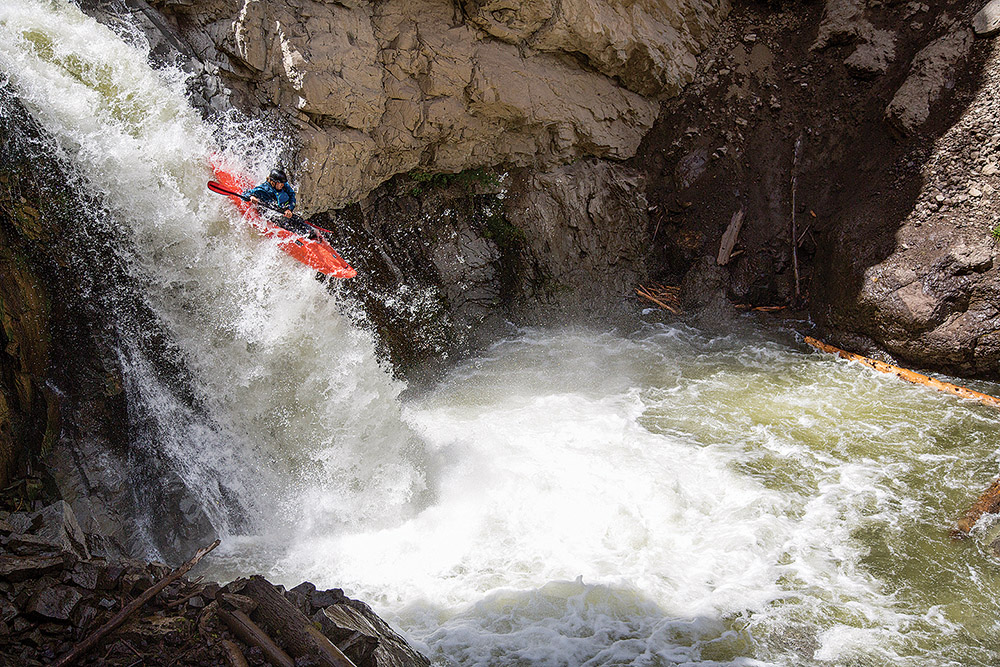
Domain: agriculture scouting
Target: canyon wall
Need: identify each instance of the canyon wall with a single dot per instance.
(697, 105)
(375, 89)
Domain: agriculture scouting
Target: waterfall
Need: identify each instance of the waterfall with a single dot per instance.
(287, 393)
(657, 497)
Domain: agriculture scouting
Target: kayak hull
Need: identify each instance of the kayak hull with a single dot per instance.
(315, 253)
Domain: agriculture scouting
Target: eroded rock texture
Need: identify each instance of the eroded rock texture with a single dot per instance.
(377, 89)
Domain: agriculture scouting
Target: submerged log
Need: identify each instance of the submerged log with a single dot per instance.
(298, 634)
(988, 503)
(908, 375)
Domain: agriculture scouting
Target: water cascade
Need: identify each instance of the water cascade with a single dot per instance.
(569, 497)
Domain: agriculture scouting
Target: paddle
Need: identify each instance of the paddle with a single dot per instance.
(220, 189)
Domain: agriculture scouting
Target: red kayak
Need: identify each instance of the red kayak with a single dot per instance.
(315, 253)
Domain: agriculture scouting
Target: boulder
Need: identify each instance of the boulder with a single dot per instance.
(843, 22)
(55, 603)
(57, 523)
(987, 22)
(873, 57)
(932, 72)
(19, 568)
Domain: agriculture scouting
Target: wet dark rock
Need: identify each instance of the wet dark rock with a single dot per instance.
(349, 630)
(19, 568)
(85, 574)
(321, 599)
(704, 291)
(299, 599)
(84, 615)
(7, 610)
(56, 602)
(134, 582)
(58, 523)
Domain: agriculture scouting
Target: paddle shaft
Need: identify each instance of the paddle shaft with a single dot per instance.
(216, 187)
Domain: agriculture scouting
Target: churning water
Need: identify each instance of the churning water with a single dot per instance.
(657, 497)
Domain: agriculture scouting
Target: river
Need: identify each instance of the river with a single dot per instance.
(656, 495)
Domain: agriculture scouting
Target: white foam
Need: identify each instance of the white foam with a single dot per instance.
(569, 497)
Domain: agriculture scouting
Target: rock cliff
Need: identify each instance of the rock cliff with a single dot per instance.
(378, 89)
(879, 122)
(695, 106)
(66, 304)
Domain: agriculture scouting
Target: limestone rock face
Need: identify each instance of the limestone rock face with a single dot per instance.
(377, 89)
(649, 46)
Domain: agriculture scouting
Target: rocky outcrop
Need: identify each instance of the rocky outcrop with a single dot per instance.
(931, 297)
(451, 261)
(54, 594)
(933, 72)
(586, 240)
(63, 392)
(378, 89)
(29, 211)
(987, 22)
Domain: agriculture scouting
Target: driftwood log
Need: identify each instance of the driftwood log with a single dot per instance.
(908, 375)
(234, 656)
(729, 238)
(298, 635)
(988, 503)
(93, 640)
(250, 633)
(666, 297)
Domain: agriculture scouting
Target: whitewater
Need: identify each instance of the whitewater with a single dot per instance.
(659, 495)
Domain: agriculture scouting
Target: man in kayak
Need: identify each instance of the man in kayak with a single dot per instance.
(276, 192)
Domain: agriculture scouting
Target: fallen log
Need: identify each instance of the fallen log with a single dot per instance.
(988, 503)
(250, 633)
(908, 375)
(94, 639)
(234, 656)
(298, 634)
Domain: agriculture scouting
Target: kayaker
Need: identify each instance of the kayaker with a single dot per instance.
(276, 191)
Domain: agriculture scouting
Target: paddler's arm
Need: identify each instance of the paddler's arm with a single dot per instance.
(254, 194)
(291, 200)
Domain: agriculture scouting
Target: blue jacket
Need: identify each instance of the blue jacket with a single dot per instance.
(267, 193)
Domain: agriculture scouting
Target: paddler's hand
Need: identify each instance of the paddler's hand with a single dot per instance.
(254, 200)
(288, 212)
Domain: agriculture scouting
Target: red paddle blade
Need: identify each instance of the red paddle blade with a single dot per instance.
(217, 188)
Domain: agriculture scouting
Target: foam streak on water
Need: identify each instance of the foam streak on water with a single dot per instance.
(568, 498)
